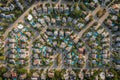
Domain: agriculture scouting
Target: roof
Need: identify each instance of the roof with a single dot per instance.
(23, 76)
(36, 75)
(81, 50)
(102, 75)
(51, 75)
(7, 74)
(14, 74)
(30, 17)
(20, 26)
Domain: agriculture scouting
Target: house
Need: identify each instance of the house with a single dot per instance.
(36, 62)
(66, 76)
(109, 74)
(105, 39)
(68, 32)
(66, 10)
(47, 19)
(34, 13)
(12, 56)
(68, 48)
(96, 1)
(36, 56)
(105, 61)
(56, 33)
(118, 44)
(117, 67)
(105, 55)
(114, 17)
(63, 45)
(7, 74)
(6, 16)
(1, 27)
(55, 8)
(93, 55)
(30, 17)
(23, 76)
(54, 43)
(50, 73)
(21, 62)
(105, 34)
(42, 21)
(10, 8)
(81, 76)
(53, 21)
(49, 49)
(80, 25)
(69, 19)
(94, 61)
(16, 30)
(74, 21)
(50, 9)
(109, 22)
(43, 76)
(39, 10)
(22, 53)
(116, 6)
(100, 30)
(12, 45)
(49, 33)
(69, 56)
(61, 9)
(11, 40)
(72, 8)
(20, 26)
(28, 34)
(23, 38)
(44, 9)
(61, 33)
(58, 19)
(12, 61)
(14, 75)
(81, 50)
(35, 76)
(19, 4)
(64, 20)
(118, 39)
(102, 75)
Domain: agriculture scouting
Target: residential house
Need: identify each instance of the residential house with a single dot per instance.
(23, 76)
(1, 27)
(36, 56)
(19, 4)
(10, 8)
(102, 75)
(35, 76)
(14, 75)
(7, 74)
(69, 19)
(44, 9)
(36, 62)
(6, 16)
(64, 20)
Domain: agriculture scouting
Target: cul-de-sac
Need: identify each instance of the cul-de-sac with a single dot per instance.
(59, 39)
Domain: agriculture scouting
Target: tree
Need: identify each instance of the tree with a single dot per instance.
(47, 5)
(2, 70)
(0, 78)
(76, 13)
(22, 71)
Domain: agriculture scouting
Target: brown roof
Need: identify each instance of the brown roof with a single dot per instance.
(7, 74)
(14, 74)
(23, 76)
